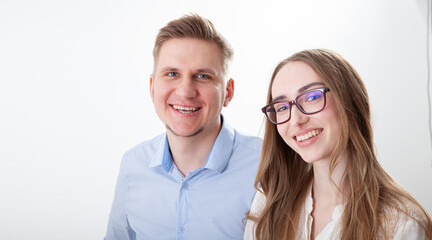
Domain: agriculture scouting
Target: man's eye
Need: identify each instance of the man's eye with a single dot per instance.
(203, 76)
(172, 74)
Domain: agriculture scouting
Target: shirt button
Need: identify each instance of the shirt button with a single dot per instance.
(181, 229)
(186, 186)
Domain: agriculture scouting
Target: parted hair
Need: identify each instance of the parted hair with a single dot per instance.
(284, 177)
(193, 26)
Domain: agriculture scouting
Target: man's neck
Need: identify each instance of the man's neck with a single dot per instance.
(190, 153)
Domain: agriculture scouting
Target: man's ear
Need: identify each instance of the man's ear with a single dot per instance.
(151, 86)
(229, 92)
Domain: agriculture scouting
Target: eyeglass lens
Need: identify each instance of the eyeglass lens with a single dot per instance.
(308, 103)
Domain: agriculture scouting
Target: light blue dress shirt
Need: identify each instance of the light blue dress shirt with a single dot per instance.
(153, 200)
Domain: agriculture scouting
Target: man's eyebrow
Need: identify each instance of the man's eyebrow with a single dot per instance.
(302, 89)
(168, 69)
(201, 70)
(205, 70)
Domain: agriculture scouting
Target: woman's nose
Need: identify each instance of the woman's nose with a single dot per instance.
(297, 117)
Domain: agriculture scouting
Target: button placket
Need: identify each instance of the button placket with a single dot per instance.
(183, 208)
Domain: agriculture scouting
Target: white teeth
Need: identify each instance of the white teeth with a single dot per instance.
(185, 109)
(307, 135)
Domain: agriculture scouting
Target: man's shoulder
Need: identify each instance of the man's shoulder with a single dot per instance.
(248, 141)
(147, 147)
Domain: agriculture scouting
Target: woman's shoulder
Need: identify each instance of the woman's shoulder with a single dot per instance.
(407, 220)
(257, 206)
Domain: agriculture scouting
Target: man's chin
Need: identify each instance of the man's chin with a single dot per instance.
(186, 134)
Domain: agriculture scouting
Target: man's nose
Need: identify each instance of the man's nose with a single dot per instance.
(186, 87)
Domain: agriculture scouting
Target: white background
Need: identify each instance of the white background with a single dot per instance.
(74, 92)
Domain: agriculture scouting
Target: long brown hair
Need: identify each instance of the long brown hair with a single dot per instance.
(285, 178)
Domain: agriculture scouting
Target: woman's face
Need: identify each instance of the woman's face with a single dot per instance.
(313, 137)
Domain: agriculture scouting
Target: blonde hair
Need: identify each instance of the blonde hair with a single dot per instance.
(193, 26)
(284, 177)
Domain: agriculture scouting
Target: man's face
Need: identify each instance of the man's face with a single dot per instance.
(187, 87)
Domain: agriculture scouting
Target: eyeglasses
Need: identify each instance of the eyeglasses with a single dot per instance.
(308, 102)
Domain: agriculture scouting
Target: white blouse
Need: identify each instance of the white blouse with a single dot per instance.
(404, 227)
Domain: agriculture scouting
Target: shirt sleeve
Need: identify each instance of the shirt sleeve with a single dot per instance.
(249, 230)
(411, 230)
(255, 210)
(118, 225)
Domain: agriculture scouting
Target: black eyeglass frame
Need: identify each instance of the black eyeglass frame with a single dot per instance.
(294, 102)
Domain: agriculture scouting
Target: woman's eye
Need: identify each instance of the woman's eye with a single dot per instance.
(281, 109)
(313, 97)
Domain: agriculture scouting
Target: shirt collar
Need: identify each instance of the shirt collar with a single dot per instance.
(309, 202)
(217, 159)
(167, 161)
(162, 153)
(221, 151)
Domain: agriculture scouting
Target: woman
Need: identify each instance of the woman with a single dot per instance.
(319, 177)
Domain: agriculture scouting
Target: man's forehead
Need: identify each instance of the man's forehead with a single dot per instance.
(191, 46)
(188, 53)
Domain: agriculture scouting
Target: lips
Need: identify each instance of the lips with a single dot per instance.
(184, 109)
(307, 135)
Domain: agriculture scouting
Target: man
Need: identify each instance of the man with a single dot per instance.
(196, 180)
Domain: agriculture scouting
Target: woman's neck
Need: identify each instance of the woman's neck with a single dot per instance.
(327, 193)
(326, 187)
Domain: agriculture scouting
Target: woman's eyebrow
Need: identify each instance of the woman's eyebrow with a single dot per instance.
(307, 86)
(302, 89)
(278, 98)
